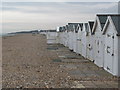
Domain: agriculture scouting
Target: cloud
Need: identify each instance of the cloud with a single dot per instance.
(53, 7)
(48, 15)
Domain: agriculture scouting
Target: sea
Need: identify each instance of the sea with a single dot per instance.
(6, 34)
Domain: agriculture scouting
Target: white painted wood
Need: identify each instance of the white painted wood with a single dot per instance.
(98, 44)
(112, 45)
(71, 40)
(90, 44)
(79, 41)
(74, 41)
(118, 58)
(66, 38)
(83, 39)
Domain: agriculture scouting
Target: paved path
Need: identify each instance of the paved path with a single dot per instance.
(82, 72)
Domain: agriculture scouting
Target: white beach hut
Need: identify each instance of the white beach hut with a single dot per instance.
(90, 41)
(66, 36)
(99, 39)
(75, 34)
(63, 35)
(79, 38)
(83, 39)
(111, 31)
(60, 35)
(70, 36)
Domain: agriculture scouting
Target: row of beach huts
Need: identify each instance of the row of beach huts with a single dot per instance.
(98, 41)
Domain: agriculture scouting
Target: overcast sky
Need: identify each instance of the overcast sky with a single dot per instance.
(17, 16)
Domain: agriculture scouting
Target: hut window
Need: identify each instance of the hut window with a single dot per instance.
(89, 44)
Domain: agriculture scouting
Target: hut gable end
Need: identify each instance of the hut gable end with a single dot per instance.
(115, 20)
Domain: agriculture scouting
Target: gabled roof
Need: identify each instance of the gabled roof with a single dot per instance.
(76, 27)
(80, 25)
(86, 27)
(91, 23)
(73, 26)
(70, 26)
(116, 22)
(102, 19)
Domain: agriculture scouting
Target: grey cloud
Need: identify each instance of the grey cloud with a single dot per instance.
(59, 13)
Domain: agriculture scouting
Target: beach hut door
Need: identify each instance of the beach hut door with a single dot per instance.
(98, 57)
(109, 49)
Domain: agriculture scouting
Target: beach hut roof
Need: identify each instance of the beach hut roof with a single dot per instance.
(80, 25)
(116, 22)
(86, 27)
(71, 26)
(102, 19)
(91, 23)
